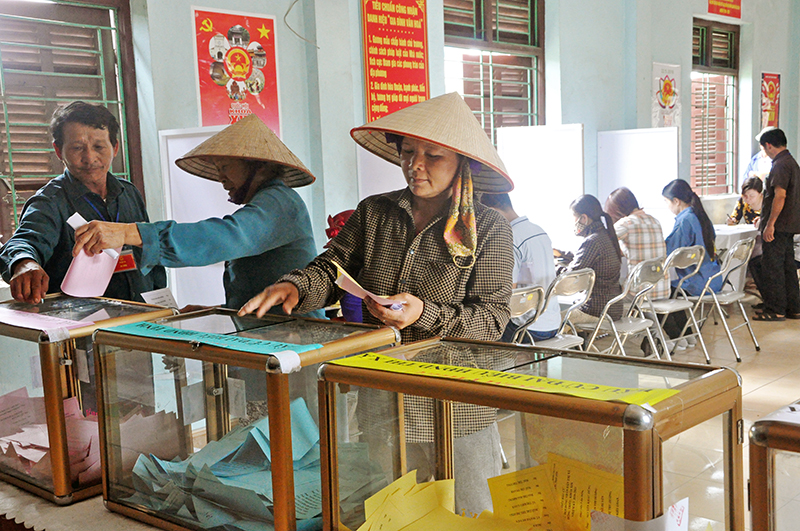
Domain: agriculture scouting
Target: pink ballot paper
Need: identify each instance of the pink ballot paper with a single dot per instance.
(88, 276)
(348, 283)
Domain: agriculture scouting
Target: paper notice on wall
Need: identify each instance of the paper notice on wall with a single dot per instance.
(676, 518)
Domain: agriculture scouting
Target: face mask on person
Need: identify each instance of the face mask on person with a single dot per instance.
(579, 227)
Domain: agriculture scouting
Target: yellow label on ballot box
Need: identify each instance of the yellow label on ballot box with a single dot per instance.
(629, 395)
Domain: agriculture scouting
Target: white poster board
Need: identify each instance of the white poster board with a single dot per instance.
(189, 198)
(376, 175)
(546, 164)
(643, 160)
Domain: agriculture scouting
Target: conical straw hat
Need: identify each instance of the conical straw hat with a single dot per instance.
(447, 121)
(250, 139)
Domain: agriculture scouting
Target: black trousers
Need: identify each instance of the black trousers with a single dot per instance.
(779, 287)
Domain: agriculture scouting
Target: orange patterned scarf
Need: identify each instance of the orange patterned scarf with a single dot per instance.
(460, 232)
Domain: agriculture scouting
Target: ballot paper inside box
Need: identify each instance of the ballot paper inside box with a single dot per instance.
(49, 439)
(531, 436)
(225, 441)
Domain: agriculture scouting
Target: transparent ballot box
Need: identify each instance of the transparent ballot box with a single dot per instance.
(229, 438)
(532, 438)
(775, 469)
(49, 442)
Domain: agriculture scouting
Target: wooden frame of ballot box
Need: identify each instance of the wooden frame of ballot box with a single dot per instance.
(703, 393)
(59, 380)
(778, 431)
(216, 360)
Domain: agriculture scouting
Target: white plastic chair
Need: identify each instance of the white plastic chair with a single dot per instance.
(577, 284)
(688, 258)
(641, 279)
(523, 301)
(736, 257)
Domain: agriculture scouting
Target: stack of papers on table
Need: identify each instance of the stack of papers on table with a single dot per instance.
(228, 483)
(24, 442)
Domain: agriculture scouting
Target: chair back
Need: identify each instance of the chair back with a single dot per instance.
(526, 302)
(685, 258)
(643, 278)
(737, 256)
(523, 300)
(578, 284)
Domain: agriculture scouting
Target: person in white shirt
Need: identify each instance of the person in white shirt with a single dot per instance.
(533, 266)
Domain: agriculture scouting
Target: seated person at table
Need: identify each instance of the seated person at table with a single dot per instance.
(599, 251)
(267, 237)
(748, 207)
(692, 227)
(533, 266)
(640, 235)
(36, 258)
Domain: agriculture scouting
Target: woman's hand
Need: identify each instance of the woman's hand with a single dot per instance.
(281, 293)
(98, 235)
(408, 315)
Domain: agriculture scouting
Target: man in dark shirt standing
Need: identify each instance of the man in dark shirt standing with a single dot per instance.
(36, 258)
(780, 221)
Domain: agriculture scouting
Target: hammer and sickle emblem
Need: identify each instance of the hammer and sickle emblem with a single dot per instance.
(206, 25)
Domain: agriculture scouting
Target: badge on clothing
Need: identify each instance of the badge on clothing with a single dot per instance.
(126, 262)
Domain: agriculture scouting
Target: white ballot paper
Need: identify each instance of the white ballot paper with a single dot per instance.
(676, 518)
(77, 221)
(160, 297)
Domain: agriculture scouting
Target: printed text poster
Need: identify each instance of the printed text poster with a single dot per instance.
(395, 55)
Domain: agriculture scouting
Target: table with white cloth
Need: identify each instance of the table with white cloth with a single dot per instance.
(727, 235)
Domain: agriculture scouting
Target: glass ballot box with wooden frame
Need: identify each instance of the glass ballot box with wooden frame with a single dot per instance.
(538, 437)
(230, 437)
(775, 470)
(49, 441)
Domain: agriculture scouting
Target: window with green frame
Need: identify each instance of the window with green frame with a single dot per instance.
(715, 50)
(52, 54)
(494, 58)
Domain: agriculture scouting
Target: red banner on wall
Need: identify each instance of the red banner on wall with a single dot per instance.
(770, 99)
(729, 8)
(236, 68)
(395, 55)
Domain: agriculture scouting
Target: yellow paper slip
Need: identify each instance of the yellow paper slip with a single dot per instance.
(527, 497)
(636, 396)
(404, 505)
(582, 488)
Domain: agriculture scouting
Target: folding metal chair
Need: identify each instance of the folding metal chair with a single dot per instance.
(736, 257)
(641, 279)
(523, 302)
(688, 258)
(578, 285)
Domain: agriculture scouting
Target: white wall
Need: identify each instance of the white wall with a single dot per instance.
(598, 63)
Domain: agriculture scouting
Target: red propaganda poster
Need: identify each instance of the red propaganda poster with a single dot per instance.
(729, 8)
(770, 99)
(236, 69)
(395, 55)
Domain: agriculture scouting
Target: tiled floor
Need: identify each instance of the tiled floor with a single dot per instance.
(693, 460)
(770, 379)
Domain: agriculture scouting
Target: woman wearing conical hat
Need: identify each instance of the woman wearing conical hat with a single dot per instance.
(447, 262)
(446, 259)
(267, 237)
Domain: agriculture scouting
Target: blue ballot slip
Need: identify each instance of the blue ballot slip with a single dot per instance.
(232, 342)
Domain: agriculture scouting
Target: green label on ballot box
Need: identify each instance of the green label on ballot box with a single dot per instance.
(629, 395)
(241, 344)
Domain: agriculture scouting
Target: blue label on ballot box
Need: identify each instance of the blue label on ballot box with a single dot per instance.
(241, 344)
